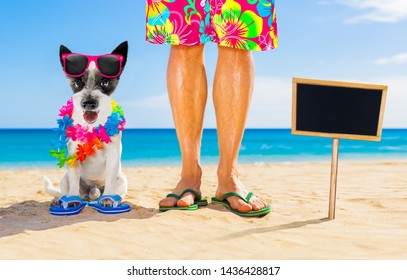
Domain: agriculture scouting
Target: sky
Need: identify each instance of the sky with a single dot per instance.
(347, 40)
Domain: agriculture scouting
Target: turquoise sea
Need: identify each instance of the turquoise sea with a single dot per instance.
(28, 148)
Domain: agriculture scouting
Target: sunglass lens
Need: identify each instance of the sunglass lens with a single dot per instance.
(75, 64)
(109, 65)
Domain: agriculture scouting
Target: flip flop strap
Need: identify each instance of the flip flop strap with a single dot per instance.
(197, 194)
(116, 199)
(65, 200)
(247, 199)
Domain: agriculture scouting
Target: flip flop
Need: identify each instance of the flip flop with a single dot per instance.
(63, 208)
(117, 207)
(253, 213)
(198, 201)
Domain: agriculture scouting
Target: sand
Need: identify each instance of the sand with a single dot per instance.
(371, 217)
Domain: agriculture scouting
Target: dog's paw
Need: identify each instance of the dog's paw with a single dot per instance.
(107, 203)
(54, 202)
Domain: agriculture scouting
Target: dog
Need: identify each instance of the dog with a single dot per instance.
(100, 173)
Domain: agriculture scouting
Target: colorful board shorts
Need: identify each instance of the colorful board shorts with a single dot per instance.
(242, 24)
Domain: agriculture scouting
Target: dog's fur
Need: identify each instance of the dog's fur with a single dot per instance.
(100, 173)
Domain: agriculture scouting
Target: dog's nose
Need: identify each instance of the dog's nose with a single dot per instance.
(90, 104)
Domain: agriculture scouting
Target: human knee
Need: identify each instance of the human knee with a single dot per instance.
(187, 52)
(233, 52)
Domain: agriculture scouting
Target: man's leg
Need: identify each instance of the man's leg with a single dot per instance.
(187, 90)
(233, 86)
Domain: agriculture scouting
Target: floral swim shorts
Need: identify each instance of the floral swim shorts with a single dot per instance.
(242, 24)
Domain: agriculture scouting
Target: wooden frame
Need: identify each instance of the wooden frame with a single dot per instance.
(336, 136)
(382, 88)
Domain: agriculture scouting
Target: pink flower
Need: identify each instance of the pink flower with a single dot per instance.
(121, 125)
(71, 133)
(66, 110)
(88, 136)
(81, 132)
(102, 134)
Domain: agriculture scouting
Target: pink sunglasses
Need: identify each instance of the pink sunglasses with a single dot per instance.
(109, 65)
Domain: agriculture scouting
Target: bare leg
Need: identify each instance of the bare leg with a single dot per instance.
(233, 86)
(187, 90)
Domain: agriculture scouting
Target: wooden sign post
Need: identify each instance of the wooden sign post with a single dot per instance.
(337, 110)
(334, 176)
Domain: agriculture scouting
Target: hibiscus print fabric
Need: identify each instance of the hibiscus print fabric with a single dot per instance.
(242, 24)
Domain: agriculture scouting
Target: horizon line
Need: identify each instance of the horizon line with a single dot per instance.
(172, 128)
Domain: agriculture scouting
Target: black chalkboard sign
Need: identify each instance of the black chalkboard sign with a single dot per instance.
(338, 109)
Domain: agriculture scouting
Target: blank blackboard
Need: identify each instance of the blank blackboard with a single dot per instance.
(338, 109)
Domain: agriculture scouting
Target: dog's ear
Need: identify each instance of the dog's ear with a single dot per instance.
(122, 50)
(63, 50)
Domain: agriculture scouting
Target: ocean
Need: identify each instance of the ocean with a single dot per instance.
(28, 148)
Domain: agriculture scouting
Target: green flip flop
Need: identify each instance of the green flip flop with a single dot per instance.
(253, 213)
(198, 201)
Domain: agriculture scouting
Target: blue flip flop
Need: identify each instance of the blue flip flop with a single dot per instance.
(117, 207)
(63, 208)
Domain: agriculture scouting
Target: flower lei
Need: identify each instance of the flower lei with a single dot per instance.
(91, 139)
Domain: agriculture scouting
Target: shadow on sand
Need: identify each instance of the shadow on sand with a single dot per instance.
(261, 230)
(32, 215)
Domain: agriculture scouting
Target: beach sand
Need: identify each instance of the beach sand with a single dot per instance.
(371, 217)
